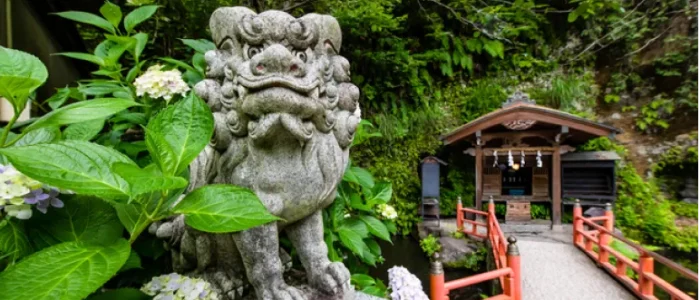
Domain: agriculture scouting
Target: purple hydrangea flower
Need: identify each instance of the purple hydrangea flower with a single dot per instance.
(43, 200)
(35, 196)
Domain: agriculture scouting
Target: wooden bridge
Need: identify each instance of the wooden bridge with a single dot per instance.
(581, 266)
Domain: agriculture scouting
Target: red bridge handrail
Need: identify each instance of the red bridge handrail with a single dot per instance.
(505, 253)
(602, 235)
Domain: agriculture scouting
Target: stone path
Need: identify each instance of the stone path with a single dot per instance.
(555, 269)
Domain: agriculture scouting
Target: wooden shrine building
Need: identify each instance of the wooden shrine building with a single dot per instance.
(524, 153)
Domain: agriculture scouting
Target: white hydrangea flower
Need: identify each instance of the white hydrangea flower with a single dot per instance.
(157, 83)
(177, 287)
(387, 211)
(404, 285)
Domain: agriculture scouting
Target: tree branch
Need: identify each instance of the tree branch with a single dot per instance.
(288, 7)
(649, 42)
(470, 23)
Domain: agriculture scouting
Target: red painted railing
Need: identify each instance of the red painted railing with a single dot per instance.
(505, 254)
(600, 236)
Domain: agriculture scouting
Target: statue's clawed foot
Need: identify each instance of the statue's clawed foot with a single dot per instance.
(332, 279)
(281, 292)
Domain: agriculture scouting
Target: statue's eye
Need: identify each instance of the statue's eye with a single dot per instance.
(253, 51)
(300, 55)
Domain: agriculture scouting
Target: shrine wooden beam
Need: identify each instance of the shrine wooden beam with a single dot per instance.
(563, 149)
(548, 135)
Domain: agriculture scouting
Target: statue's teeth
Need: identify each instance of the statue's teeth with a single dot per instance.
(314, 93)
(242, 92)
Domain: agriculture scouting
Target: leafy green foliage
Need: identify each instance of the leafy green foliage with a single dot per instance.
(20, 74)
(222, 208)
(353, 222)
(652, 116)
(678, 160)
(430, 245)
(178, 133)
(69, 270)
(369, 285)
(540, 211)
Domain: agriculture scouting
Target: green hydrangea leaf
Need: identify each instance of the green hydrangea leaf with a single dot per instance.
(88, 18)
(179, 133)
(39, 136)
(82, 218)
(82, 111)
(84, 131)
(112, 13)
(66, 271)
(351, 240)
(144, 181)
(376, 227)
(13, 240)
(221, 208)
(137, 16)
(20, 74)
(79, 166)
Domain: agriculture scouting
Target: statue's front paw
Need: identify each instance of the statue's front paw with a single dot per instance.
(283, 292)
(333, 279)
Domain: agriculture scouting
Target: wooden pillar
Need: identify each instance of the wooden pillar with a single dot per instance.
(479, 169)
(556, 186)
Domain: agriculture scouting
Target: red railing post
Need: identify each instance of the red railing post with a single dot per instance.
(578, 223)
(460, 214)
(605, 238)
(492, 206)
(437, 280)
(646, 265)
(513, 283)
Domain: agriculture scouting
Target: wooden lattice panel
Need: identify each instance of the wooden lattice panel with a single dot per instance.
(518, 211)
(492, 181)
(540, 182)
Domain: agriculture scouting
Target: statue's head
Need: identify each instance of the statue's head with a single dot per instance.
(275, 74)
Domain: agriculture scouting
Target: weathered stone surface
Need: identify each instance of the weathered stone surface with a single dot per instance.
(691, 189)
(455, 250)
(285, 114)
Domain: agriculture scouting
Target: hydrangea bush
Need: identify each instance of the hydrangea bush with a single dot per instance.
(404, 285)
(178, 287)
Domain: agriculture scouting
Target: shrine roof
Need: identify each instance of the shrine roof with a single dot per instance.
(520, 111)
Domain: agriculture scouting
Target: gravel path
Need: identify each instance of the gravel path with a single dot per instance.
(556, 270)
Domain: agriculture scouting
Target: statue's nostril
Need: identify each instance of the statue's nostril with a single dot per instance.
(293, 68)
(260, 67)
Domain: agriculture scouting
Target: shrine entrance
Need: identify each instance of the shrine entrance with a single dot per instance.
(519, 150)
